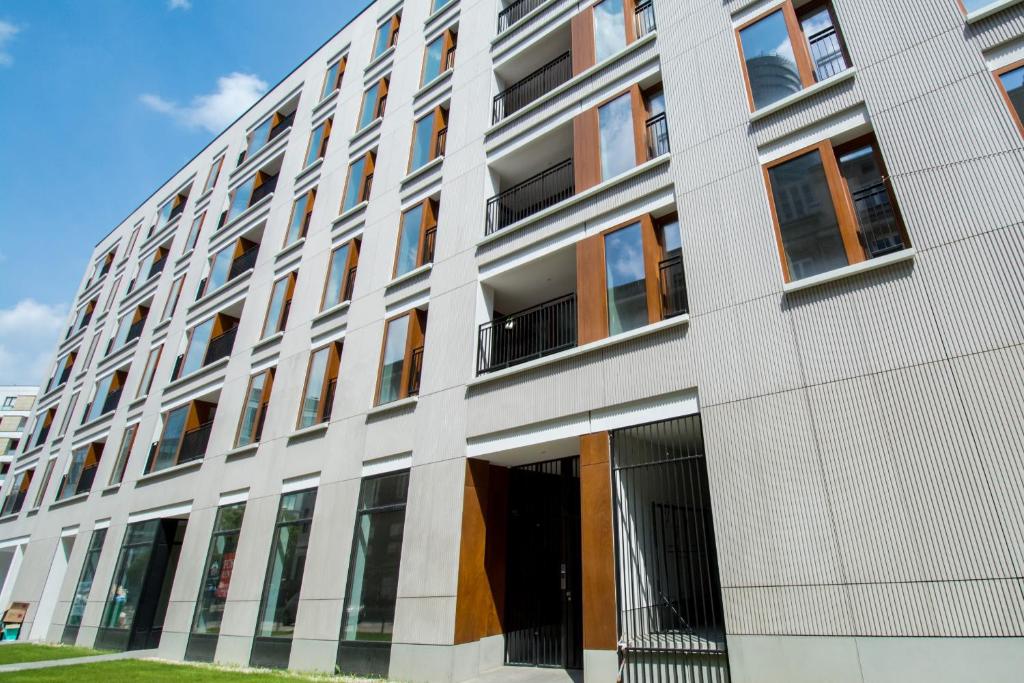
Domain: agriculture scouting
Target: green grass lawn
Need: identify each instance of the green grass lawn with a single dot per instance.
(155, 672)
(12, 654)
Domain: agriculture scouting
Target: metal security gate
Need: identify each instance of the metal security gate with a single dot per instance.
(671, 625)
(543, 606)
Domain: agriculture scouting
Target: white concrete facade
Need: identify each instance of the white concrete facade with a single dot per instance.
(863, 435)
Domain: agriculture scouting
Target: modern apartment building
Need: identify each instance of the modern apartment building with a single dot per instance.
(15, 408)
(671, 340)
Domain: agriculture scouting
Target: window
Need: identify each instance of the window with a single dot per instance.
(387, 35)
(428, 138)
(131, 240)
(321, 382)
(318, 140)
(62, 371)
(333, 77)
(438, 4)
(341, 275)
(220, 563)
(173, 296)
(85, 315)
(81, 472)
(149, 370)
(626, 278)
(269, 129)
(193, 232)
(213, 175)
(113, 294)
(789, 49)
(374, 101)
(208, 342)
(402, 357)
(833, 206)
(416, 237)
(1011, 84)
(124, 451)
(440, 56)
(609, 28)
(228, 263)
(106, 396)
(969, 6)
(359, 181)
(185, 435)
(372, 588)
(72, 404)
(130, 573)
(280, 601)
(16, 493)
(618, 146)
(254, 411)
(84, 586)
(42, 430)
(129, 328)
(172, 208)
(302, 213)
(45, 482)
(251, 191)
(280, 305)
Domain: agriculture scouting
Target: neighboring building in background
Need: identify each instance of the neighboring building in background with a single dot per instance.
(683, 337)
(15, 407)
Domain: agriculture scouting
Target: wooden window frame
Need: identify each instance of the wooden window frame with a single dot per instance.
(351, 261)
(998, 74)
(332, 369)
(415, 337)
(394, 24)
(282, 318)
(173, 297)
(797, 39)
(261, 409)
(449, 40)
(310, 197)
(342, 64)
(214, 174)
(439, 124)
(321, 152)
(370, 164)
(93, 455)
(428, 221)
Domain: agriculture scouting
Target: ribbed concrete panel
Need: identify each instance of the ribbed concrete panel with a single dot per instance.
(787, 610)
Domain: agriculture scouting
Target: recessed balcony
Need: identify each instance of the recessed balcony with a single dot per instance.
(531, 75)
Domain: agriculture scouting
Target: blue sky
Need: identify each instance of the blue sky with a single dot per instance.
(102, 101)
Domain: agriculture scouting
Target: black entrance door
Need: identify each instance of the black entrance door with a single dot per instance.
(543, 606)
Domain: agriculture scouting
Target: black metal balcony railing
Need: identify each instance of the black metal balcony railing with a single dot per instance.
(880, 232)
(85, 480)
(516, 11)
(449, 59)
(15, 502)
(64, 375)
(441, 143)
(827, 53)
(135, 330)
(85, 321)
(673, 287)
(350, 283)
(131, 286)
(657, 136)
(532, 333)
(367, 186)
(429, 238)
(532, 87)
(105, 269)
(382, 104)
(269, 185)
(43, 433)
(543, 190)
(194, 442)
(644, 18)
(244, 261)
(329, 400)
(176, 211)
(220, 346)
(111, 401)
(281, 126)
(415, 370)
(258, 432)
(157, 267)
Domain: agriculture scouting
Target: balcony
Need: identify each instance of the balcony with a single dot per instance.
(532, 87)
(135, 330)
(516, 11)
(549, 187)
(220, 346)
(111, 401)
(194, 443)
(643, 18)
(657, 136)
(244, 261)
(532, 333)
(157, 267)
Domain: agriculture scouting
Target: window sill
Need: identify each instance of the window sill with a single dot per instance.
(677, 321)
(985, 12)
(331, 312)
(137, 403)
(393, 406)
(99, 422)
(31, 453)
(423, 170)
(365, 131)
(240, 452)
(161, 326)
(268, 150)
(111, 490)
(575, 199)
(305, 173)
(203, 197)
(849, 271)
(325, 102)
(807, 92)
(76, 336)
(201, 372)
(319, 429)
(187, 256)
(231, 286)
(349, 213)
(288, 249)
(411, 275)
(70, 500)
(435, 84)
(10, 518)
(267, 342)
(377, 61)
(249, 212)
(172, 471)
(436, 15)
(117, 355)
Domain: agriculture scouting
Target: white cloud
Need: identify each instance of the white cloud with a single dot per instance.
(28, 334)
(7, 33)
(179, 4)
(235, 93)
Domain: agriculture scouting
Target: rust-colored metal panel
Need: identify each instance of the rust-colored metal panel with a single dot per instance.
(597, 534)
(591, 305)
(584, 51)
(586, 149)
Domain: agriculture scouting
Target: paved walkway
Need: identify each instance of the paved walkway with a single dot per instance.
(25, 666)
(518, 674)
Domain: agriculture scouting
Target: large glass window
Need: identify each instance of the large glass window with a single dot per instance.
(129, 575)
(409, 240)
(372, 588)
(321, 382)
(81, 471)
(422, 139)
(185, 435)
(280, 305)
(149, 371)
(618, 146)
(259, 137)
(332, 79)
(371, 98)
(254, 411)
(172, 298)
(197, 343)
(387, 35)
(213, 175)
(220, 267)
(439, 56)
(609, 28)
(220, 563)
(394, 359)
(85, 579)
(302, 212)
(288, 549)
(318, 140)
(358, 184)
(240, 197)
(45, 482)
(975, 5)
(338, 287)
(626, 279)
(170, 438)
(771, 65)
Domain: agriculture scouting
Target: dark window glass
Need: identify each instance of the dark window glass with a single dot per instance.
(877, 221)
(220, 563)
(129, 575)
(84, 586)
(280, 601)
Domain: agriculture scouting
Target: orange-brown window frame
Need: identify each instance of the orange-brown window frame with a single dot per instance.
(439, 126)
(214, 174)
(368, 169)
(379, 103)
(450, 41)
(283, 314)
(261, 409)
(342, 64)
(415, 338)
(151, 362)
(307, 215)
(331, 371)
(197, 410)
(351, 262)
(997, 74)
(326, 124)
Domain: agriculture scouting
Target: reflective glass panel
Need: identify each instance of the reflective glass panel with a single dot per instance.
(409, 240)
(422, 137)
(287, 562)
(220, 563)
(618, 146)
(627, 285)
(353, 190)
(609, 28)
(85, 579)
(432, 61)
(314, 387)
(394, 359)
(336, 277)
(771, 66)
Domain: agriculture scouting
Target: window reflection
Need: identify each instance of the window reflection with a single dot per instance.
(290, 544)
(626, 281)
(771, 65)
(394, 359)
(618, 148)
(609, 28)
